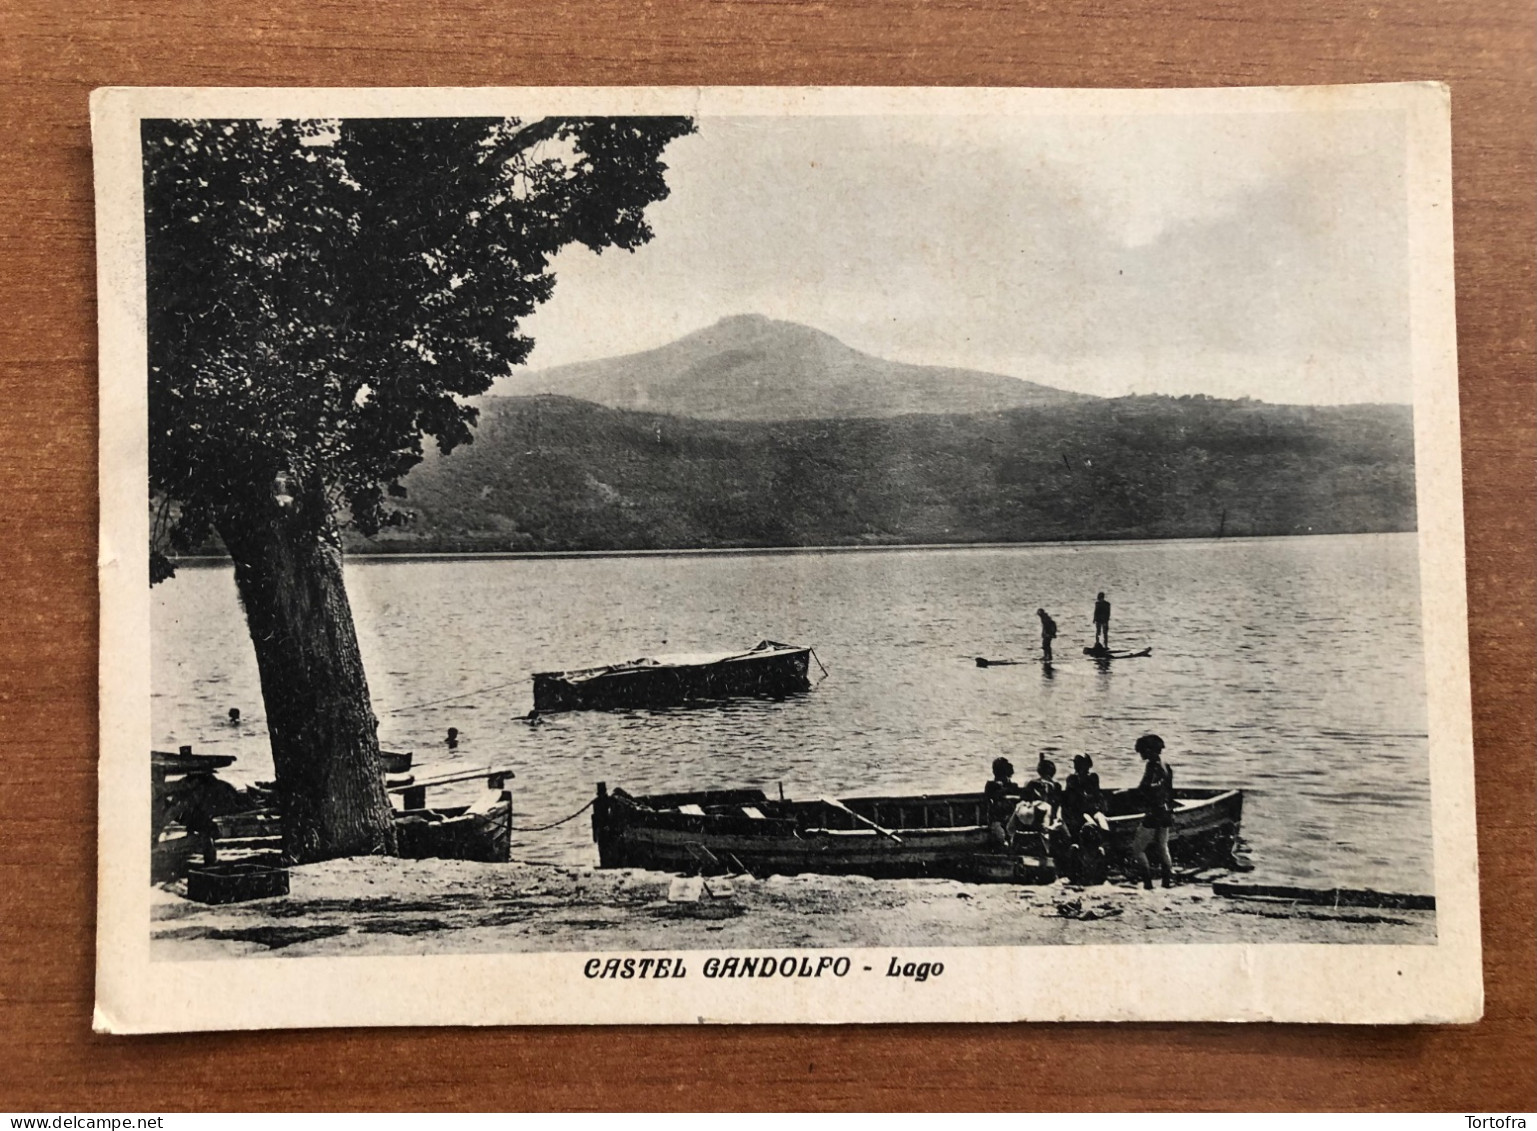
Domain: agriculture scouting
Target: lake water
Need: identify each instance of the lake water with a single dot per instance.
(1290, 667)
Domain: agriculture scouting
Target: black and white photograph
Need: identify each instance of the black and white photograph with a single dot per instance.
(781, 555)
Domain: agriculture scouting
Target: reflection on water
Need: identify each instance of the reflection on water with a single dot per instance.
(1289, 667)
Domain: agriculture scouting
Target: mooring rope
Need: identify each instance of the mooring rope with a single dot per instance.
(553, 824)
(821, 665)
(450, 698)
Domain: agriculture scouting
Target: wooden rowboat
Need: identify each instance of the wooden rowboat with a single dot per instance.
(1206, 824)
(767, 669)
(936, 835)
(244, 826)
(480, 831)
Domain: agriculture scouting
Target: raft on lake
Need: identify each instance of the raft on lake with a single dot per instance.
(1095, 653)
(934, 835)
(768, 670)
(1100, 652)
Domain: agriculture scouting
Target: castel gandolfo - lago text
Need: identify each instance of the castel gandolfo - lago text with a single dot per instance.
(756, 966)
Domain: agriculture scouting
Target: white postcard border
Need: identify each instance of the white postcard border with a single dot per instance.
(1324, 982)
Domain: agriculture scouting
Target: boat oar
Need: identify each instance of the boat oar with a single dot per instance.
(836, 804)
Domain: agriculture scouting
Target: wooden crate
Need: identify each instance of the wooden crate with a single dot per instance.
(235, 882)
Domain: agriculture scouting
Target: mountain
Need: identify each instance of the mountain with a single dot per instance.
(553, 473)
(753, 368)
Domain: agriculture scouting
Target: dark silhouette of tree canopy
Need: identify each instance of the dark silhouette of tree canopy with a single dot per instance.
(322, 296)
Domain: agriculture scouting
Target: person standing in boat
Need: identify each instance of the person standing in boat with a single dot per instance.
(1156, 794)
(1101, 623)
(1048, 633)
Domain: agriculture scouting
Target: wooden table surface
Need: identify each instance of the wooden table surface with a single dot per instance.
(53, 53)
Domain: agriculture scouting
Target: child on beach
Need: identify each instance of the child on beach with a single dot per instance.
(1157, 797)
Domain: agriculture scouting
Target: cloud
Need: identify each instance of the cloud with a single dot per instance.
(1073, 245)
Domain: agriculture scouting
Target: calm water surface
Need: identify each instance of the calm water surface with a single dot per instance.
(1289, 667)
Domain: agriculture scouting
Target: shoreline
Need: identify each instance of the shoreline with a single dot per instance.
(206, 561)
(371, 906)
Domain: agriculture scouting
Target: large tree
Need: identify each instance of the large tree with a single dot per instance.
(322, 297)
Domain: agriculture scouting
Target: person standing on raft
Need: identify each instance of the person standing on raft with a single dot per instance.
(1102, 623)
(1156, 794)
(1048, 634)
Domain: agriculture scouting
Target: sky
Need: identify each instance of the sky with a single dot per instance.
(1244, 254)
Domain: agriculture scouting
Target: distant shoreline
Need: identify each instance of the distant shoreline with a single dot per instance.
(205, 561)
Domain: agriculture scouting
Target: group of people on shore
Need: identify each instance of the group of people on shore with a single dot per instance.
(1101, 629)
(1070, 817)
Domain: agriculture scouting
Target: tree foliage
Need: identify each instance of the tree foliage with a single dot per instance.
(323, 295)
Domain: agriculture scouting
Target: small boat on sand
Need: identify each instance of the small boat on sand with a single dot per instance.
(934, 835)
(480, 831)
(768, 669)
(196, 816)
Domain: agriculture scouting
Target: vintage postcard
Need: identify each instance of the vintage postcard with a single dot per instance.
(780, 555)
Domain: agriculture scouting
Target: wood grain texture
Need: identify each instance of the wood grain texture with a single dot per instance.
(53, 53)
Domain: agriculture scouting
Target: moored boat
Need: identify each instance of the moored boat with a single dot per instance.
(395, 762)
(768, 669)
(479, 831)
(197, 816)
(1206, 824)
(935, 835)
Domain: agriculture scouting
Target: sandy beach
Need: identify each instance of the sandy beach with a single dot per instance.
(374, 906)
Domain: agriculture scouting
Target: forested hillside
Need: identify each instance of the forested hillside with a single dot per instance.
(553, 473)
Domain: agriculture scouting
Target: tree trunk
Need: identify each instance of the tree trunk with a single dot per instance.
(325, 744)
